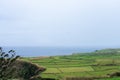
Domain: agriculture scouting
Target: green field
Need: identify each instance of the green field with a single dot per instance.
(95, 64)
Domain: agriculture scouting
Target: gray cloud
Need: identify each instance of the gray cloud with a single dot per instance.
(59, 22)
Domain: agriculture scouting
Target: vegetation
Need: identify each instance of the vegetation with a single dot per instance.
(27, 71)
(11, 68)
(99, 65)
(96, 65)
(6, 60)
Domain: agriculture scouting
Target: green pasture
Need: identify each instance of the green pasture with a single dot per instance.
(79, 65)
(69, 69)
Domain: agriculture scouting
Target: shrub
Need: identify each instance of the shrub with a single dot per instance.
(11, 68)
(115, 74)
(26, 70)
(6, 60)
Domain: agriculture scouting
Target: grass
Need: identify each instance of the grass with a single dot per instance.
(69, 70)
(80, 65)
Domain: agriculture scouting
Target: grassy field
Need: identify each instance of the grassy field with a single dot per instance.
(96, 64)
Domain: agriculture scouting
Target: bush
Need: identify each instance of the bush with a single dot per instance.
(6, 60)
(115, 74)
(11, 68)
(27, 71)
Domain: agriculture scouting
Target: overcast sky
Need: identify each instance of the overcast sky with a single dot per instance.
(60, 23)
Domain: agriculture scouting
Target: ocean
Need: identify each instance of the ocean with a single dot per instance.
(47, 51)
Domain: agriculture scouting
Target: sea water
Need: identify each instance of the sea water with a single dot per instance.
(47, 51)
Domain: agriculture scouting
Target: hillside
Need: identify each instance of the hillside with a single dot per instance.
(81, 65)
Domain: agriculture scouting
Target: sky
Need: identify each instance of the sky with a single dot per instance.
(60, 23)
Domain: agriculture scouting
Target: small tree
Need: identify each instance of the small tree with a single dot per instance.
(6, 60)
